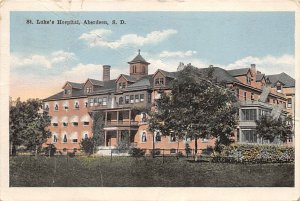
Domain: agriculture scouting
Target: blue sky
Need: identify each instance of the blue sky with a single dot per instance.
(51, 54)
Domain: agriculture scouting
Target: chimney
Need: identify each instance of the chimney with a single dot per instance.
(106, 72)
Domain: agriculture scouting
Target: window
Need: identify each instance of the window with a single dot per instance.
(237, 93)
(137, 98)
(159, 81)
(56, 107)
(289, 104)
(74, 140)
(47, 107)
(65, 124)
(279, 88)
(55, 124)
(249, 136)
(122, 85)
(88, 90)
(95, 101)
(86, 103)
(245, 96)
(172, 151)
(91, 101)
(252, 96)
(54, 139)
(67, 91)
(141, 97)
(149, 97)
(86, 123)
(249, 114)
(172, 138)
(76, 105)
(248, 79)
(104, 101)
(144, 137)
(75, 123)
(65, 138)
(131, 98)
(85, 136)
(158, 137)
(121, 101)
(143, 117)
(127, 99)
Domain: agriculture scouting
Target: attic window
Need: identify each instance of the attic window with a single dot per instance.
(88, 90)
(248, 80)
(122, 85)
(279, 88)
(67, 91)
(159, 81)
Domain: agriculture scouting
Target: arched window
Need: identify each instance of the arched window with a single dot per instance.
(121, 101)
(85, 136)
(157, 137)
(143, 117)
(144, 136)
(55, 138)
(65, 139)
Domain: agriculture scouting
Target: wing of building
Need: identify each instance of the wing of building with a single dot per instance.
(125, 100)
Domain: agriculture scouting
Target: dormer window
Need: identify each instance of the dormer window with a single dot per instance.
(122, 85)
(56, 107)
(88, 90)
(67, 91)
(252, 96)
(279, 88)
(47, 107)
(159, 81)
(131, 98)
(121, 101)
(76, 105)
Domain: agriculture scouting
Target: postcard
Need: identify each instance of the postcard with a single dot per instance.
(149, 100)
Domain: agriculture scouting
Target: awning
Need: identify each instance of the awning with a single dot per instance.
(74, 119)
(54, 120)
(74, 135)
(64, 119)
(85, 118)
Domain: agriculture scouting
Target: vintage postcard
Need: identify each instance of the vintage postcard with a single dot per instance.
(149, 100)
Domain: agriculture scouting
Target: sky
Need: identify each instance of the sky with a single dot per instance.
(45, 56)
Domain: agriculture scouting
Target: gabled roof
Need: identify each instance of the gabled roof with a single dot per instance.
(143, 82)
(74, 85)
(284, 78)
(221, 75)
(138, 59)
(166, 73)
(259, 77)
(240, 71)
(127, 77)
(96, 82)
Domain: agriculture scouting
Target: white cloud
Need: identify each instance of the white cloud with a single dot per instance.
(41, 61)
(268, 64)
(99, 37)
(179, 54)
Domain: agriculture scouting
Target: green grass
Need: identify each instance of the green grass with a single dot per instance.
(142, 172)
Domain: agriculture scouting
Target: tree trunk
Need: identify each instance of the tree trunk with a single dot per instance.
(13, 149)
(196, 148)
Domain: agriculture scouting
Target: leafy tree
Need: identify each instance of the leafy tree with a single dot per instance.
(269, 128)
(88, 145)
(124, 143)
(28, 125)
(98, 128)
(197, 106)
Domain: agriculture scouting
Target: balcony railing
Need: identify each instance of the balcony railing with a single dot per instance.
(121, 123)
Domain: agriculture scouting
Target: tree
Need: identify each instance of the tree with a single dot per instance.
(197, 107)
(270, 128)
(88, 145)
(98, 128)
(28, 125)
(124, 143)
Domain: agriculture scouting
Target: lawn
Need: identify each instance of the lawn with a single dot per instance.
(143, 172)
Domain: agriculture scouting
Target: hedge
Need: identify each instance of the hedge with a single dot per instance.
(254, 153)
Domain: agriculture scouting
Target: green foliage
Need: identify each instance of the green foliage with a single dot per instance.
(98, 128)
(88, 145)
(197, 107)
(124, 143)
(136, 152)
(270, 128)
(256, 154)
(28, 124)
(188, 149)
(49, 150)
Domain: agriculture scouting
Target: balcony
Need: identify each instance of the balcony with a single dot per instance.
(121, 123)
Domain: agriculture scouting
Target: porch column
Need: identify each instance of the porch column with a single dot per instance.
(105, 118)
(117, 117)
(105, 137)
(118, 138)
(129, 117)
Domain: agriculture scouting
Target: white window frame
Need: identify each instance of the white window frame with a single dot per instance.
(142, 136)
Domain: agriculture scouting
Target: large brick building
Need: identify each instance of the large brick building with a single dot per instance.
(123, 99)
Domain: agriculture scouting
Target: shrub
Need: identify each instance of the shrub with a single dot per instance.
(247, 153)
(188, 150)
(136, 152)
(155, 152)
(87, 145)
(49, 150)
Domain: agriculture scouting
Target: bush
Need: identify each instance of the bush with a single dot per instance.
(136, 152)
(87, 145)
(256, 154)
(50, 149)
(155, 152)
